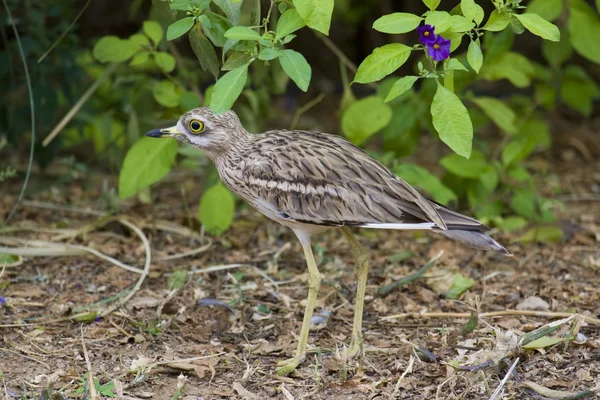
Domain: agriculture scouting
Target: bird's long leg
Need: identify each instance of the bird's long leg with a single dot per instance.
(314, 281)
(363, 269)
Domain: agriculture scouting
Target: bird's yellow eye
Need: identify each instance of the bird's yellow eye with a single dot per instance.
(196, 126)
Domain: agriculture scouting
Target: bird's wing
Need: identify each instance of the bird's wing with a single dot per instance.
(323, 179)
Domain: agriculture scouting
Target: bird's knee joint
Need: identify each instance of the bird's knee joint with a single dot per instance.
(363, 258)
(314, 281)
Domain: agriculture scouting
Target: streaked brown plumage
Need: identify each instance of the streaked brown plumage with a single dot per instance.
(312, 181)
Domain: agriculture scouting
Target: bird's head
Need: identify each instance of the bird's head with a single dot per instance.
(203, 129)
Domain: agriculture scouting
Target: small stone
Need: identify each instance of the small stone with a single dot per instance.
(533, 303)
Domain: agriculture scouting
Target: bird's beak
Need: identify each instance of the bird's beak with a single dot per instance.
(163, 133)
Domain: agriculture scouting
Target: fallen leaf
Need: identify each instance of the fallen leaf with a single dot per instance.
(243, 392)
(544, 391)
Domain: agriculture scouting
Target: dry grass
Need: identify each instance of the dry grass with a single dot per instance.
(139, 338)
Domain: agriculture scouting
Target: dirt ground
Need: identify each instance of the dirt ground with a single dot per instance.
(233, 314)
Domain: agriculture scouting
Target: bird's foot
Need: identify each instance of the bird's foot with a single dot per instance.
(288, 366)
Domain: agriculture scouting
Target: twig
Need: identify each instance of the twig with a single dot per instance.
(501, 385)
(57, 41)
(407, 279)
(53, 250)
(339, 53)
(24, 356)
(305, 108)
(75, 109)
(216, 268)
(93, 393)
(50, 206)
(184, 360)
(492, 314)
(408, 369)
(144, 273)
(31, 107)
(168, 226)
(187, 253)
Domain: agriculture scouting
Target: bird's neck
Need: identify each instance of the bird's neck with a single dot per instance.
(232, 150)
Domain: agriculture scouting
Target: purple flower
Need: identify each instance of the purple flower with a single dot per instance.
(2, 301)
(439, 49)
(426, 34)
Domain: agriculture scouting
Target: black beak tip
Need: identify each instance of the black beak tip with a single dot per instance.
(155, 133)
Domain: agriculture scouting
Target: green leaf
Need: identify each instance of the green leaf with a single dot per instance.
(472, 11)
(501, 114)
(290, 21)
(511, 224)
(472, 168)
(154, 31)
(454, 64)
(177, 280)
(401, 86)
(422, 179)
(544, 341)
(475, 56)
(228, 88)
(186, 5)
(518, 150)
(288, 39)
(139, 40)
(147, 162)
(512, 66)
(165, 61)
(543, 234)
(461, 24)
(165, 93)
(432, 4)
(539, 26)
(440, 19)
(364, 118)
(383, 61)
(516, 25)
(216, 209)
(242, 33)
(397, 23)
(557, 53)
(578, 90)
(523, 202)
(316, 13)
(8, 259)
(455, 40)
(460, 284)
(547, 9)
(497, 21)
(451, 120)
(232, 9)
(216, 28)
(584, 25)
(295, 66)
(179, 28)
(402, 134)
(113, 49)
(236, 59)
(204, 51)
(140, 58)
(268, 54)
(188, 101)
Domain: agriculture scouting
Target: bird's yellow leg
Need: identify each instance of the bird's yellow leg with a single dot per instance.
(356, 344)
(314, 281)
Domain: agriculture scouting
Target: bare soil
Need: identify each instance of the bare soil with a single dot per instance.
(163, 344)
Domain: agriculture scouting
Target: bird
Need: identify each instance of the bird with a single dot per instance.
(311, 182)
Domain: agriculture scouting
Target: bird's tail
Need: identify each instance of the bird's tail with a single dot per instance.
(475, 239)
